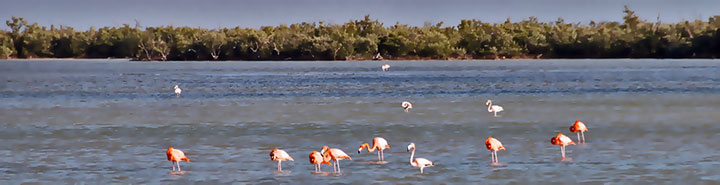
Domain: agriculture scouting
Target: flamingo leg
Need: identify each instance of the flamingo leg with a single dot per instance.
(178, 163)
(173, 164)
(583, 136)
(492, 157)
(578, 135)
(382, 155)
(379, 157)
(279, 166)
(335, 167)
(338, 163)
(421, 170)
(494, 114)
(562, 150)
(496, 157)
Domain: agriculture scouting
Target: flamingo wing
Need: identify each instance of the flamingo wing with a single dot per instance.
(338, 154)
(564, 140)
(497, 108)
(282, 155)
(380, 143)
(178, 155)
(423, 162)
(493, 144)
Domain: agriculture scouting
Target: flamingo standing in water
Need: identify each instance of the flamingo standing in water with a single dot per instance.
(493, 108)
(280, 156)
(563, 141)
(379, 144)
(493, 145)
(418, 162)
(336, 155)
(385, 67)
(178, 91)
(175, 156)
(406, 105)
(317, 159)
(579, 128)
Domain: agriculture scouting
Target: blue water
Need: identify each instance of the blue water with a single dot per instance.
(110, 121)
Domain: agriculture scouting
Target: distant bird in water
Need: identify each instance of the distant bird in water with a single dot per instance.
(280, 156)
(563, 141)
(385, 67)
(379, 144)
(317, 159)
(579, 128)
(178, 91)
(406, 105)
(175, 156)
(493, 145)
(493, 108)
(418, 162)
(336, 155)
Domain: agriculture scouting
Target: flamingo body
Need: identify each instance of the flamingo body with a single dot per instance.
(280, 156)
(175, 156)
(563, 141)
(178, 91)
(385, 67)
(494, 108)
(336, 155)
(406, 106)
(493, 145)
(379, 144)
(418, 162)
(317, 159)
(579, 128)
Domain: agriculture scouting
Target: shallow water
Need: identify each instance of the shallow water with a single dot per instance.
(98, 121)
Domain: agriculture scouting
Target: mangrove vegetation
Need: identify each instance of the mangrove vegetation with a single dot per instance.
(368, 39)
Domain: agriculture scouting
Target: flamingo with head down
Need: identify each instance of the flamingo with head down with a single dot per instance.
(280, 156)
(385, 67)
(493, 145)
(317, 159)
(178, 91)
(336, 155)
(379, 144)
(175, 156)
(563, 141)
(406, 106)
(579, 128)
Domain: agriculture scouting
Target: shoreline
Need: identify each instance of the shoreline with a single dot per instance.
(350, 60)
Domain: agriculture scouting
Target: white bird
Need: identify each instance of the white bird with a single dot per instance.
(178, 91)
(493, 108)
(385, 67)
(406, 105)
(418, 162)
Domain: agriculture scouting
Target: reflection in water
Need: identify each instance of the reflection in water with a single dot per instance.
(110, 122)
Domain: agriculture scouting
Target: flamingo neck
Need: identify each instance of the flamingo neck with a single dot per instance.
(411, 157)
(368, 147)
(490, 107)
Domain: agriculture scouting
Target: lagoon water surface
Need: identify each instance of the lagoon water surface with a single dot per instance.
(98, 121)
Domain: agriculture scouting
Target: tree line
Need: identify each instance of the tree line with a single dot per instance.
(366, 39)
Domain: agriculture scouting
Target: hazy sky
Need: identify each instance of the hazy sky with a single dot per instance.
(254, 13)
